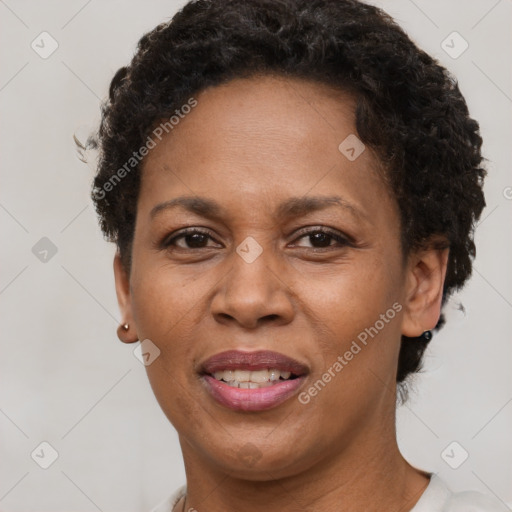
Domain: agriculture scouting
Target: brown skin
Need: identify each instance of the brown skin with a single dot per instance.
(249, 145)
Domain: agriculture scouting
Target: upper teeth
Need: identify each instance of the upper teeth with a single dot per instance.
(251, 379)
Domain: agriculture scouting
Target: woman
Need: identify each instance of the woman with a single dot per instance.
(292, 187)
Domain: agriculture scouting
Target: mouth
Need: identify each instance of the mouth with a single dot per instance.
(245, 379)
(252, 381)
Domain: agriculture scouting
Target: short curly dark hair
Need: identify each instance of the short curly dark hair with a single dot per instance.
(409, 109)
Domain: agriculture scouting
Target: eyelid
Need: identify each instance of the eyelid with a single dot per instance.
(308, 230)
(341, 238)
(180, 233)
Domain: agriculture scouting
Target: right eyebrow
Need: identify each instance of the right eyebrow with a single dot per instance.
(201, 206)
(292, 207)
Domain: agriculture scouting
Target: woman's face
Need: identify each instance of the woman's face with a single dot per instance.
(262, 159)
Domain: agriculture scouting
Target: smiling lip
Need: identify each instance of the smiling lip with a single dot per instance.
(252, 399)
(238, 360)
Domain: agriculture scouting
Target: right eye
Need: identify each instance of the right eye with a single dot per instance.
(192, 238)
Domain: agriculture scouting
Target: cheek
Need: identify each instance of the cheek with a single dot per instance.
(165, 305)
(351, 297)
(166, 290)
(167, 310)
(340, 301)
(358, 336)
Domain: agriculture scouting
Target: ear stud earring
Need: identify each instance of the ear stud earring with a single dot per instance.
(125, 327)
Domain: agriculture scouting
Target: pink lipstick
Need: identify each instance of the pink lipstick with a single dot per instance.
(252, 381)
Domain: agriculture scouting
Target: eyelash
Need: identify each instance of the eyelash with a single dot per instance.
(343, 240)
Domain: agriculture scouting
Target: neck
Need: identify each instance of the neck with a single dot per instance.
(368, 474)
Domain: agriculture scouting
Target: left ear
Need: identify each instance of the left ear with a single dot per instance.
(424, 290)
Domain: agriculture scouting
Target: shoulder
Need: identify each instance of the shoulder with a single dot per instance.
(168, 504)
(439, 498)
(471, 501)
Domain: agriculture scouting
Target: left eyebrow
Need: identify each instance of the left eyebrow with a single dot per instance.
(300, 206)
(292, 207)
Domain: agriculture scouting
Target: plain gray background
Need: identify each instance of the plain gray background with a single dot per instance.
(67, 380)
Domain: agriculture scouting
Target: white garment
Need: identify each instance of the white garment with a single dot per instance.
(437, 497)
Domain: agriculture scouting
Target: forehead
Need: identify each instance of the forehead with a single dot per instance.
(264, 113)
(262, 137)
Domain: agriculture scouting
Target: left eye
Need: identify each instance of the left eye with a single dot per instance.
(321, 239)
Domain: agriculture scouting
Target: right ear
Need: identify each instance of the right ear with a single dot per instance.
(124, 300)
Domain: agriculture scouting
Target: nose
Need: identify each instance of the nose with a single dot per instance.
(253, 294)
